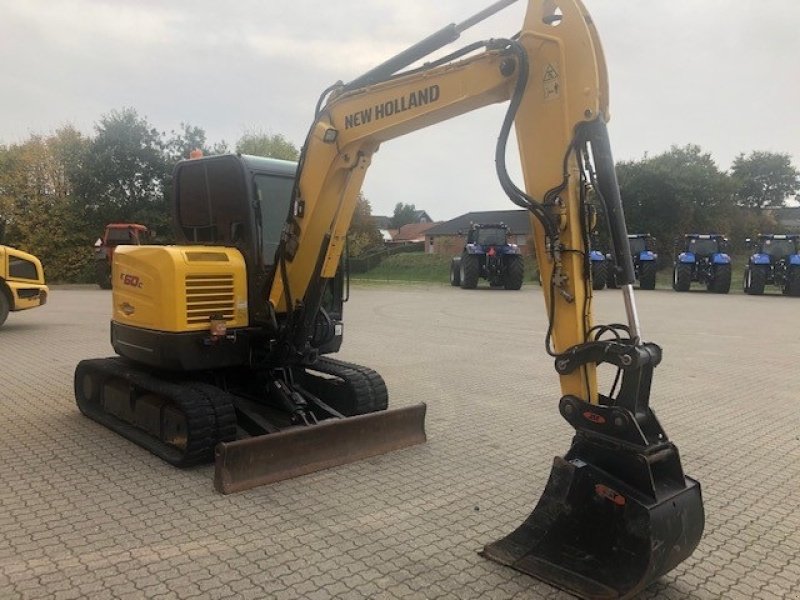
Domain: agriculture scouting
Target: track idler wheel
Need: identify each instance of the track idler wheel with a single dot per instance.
(600, 535)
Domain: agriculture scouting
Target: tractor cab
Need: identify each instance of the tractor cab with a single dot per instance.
(130, 234)
(775, 261)
(114, 235)
(703, 245)
(488, 235)
(702, 258)
(775, 247)
(643, 246)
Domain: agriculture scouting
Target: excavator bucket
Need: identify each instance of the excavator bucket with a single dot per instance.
(250, 462)
(599, 537)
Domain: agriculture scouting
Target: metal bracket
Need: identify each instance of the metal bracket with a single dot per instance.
(627, 418)
(623, 354)
(613, 423)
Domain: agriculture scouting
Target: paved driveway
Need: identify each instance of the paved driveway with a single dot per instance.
(87, 514)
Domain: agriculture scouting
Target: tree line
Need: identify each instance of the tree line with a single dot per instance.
(58, 191)
(683, 191)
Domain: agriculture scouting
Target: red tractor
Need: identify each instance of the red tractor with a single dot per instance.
(116, 234)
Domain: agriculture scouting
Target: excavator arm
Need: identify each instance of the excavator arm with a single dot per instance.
(618, 511)
(553, 73)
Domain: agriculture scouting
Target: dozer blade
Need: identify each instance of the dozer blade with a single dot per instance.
(598, 538)
(264, 459)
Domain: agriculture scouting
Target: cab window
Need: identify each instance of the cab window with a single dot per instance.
(274, 195)
(20, 268)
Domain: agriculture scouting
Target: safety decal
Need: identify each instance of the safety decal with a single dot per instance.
(551, 81)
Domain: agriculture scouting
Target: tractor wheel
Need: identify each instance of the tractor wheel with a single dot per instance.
(470, 271)
(5, 306)
(682, 277)
(455, 271)
(755, 279)
(104, 275)
(513, 271)
(793, 281)
(721, 284)
(647, 275)
(598, 275)
(611, 276)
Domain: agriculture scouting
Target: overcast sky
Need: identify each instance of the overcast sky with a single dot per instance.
(723, 74)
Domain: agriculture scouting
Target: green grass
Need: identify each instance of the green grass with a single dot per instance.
(737, 275)
(419, 266)
(411, 266)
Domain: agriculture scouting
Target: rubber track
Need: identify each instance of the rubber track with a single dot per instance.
(379, 392)
(363, 384)
(222, 403)
(201, 420)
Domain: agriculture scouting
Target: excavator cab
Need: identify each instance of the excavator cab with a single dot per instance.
(239, 201)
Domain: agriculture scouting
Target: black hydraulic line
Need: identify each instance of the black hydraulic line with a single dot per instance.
(432, 43)
(321, 99)
(596, 133)
(515, 194)
(327, 326)
(444, 59)
(446, 35)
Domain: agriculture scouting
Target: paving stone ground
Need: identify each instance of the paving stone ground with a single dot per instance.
(86, 514)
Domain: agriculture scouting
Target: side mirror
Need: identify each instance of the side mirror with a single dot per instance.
(98, 243)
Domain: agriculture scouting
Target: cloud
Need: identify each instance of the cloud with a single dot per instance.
(363, 54)
(716, 73)
(73, 23)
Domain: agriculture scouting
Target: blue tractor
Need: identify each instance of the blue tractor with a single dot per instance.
(775, 261)
(702, 258)
(488, 254)
(644, 261)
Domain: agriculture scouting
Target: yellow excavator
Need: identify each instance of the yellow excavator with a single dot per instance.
(22, 283)
(224, 338)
